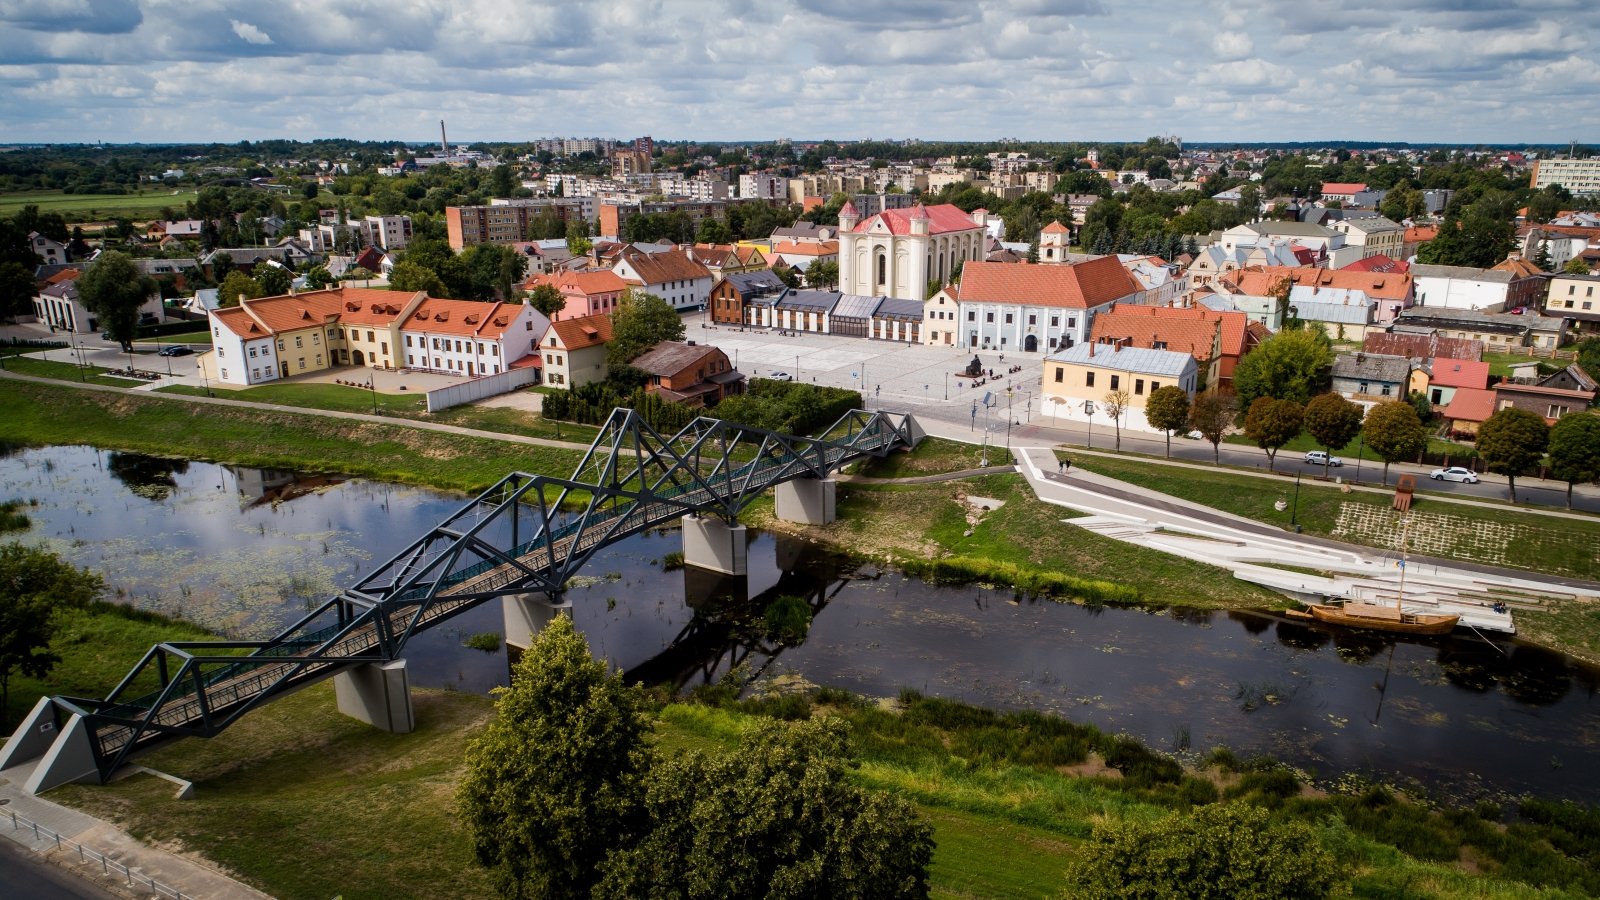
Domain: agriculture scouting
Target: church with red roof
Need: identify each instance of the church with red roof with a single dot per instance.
(897, 252)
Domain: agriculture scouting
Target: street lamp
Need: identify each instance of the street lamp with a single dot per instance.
(1295, 512)
(947, 385)
(373, 387)
(1088, 410)
(1360, 446)
(1011, 397)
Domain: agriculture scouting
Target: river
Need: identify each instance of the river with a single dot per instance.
(244, 552)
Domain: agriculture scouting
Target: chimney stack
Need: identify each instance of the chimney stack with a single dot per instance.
(444, 145)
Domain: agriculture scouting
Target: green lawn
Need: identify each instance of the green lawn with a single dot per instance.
(1501, 363)
(193, 337)
(44, 368)
(92, 207)
(1355, 449)
(150, 423)
(503, 420)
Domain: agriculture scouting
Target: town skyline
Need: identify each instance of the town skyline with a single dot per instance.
(1415, 71)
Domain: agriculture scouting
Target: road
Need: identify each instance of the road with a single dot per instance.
(25, 876)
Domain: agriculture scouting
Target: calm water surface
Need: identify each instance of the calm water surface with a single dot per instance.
(245, 552)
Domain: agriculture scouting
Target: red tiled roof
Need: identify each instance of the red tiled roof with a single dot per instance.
(63, 275)
(809, 248)
(588, 282)
(1519, 269)
(1460, 373)
(1079, 286)
(584, 331)
(1259, 280)
(1423, 346)
(1342, 187)
(1469, 405)
(469, 318)
(659, 268)
(1235, 325)
(942, 218)
(1055, 227)
(1378, 263)
(1194, 335)
(1421, 234)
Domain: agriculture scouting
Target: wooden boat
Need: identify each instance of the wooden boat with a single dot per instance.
(1383, 618)
(1375, 617)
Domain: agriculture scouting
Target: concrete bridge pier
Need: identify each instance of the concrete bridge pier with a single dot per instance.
(710, 543)
(808, 501)
(527, 614)
(378, 694)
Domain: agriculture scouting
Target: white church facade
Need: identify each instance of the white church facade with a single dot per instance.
(897, 252)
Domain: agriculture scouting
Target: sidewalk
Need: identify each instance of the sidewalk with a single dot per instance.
(172, 871)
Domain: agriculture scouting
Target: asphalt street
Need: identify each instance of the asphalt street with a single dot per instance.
(25, 876)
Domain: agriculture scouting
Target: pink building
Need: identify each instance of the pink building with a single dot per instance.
(588, 293)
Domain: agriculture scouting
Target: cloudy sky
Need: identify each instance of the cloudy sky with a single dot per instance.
(1502, 71)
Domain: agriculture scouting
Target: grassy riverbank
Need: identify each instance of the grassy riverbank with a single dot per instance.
(33, 413)
(1010, 796)
(60, 371)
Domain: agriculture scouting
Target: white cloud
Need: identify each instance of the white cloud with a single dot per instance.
(1232, 45)
(250, 33)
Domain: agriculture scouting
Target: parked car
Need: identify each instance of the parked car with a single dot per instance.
(1321, 458)
(1454, 473)
(781, 376)
(175, 350)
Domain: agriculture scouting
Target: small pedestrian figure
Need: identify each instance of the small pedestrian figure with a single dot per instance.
(1065, 465)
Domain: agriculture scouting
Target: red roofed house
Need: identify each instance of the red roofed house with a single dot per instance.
(1570, 390)
(575, 351)
(695, 375)
(897, 252)
(1447, 377)
(1010, 307)
(1344, 192)
(670, 275)
(1467, 410)
(1377, 262)
(588, 293)
(1216, 340)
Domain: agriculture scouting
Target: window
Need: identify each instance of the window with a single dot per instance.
(302, 362)
(319, 359)
(1088, 379)
(1061, 375)
(1055, 321)
(280, 344)
(254, 374)
(972, 316)
(1008, 318)
(370, 338)
(458, 346)
(1387, 390)
(1138, 387)
(988, 317)
(252, 353)
(316, 337)
(220, 354)
(1363, 388)
(408, 342)
(529, 327)
(410, 360)
(1115, 380)
(1072, 323)
(298, 343)
(224, 373)
(1555, 412)
(1155, 386)
(216, 331)
(384, 348)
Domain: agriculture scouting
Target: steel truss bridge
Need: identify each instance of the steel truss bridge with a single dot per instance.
(526, 534)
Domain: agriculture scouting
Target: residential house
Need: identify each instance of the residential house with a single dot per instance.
(290, 253)
(803, 232)
(178, 230)
(1448, 376)
(941, 317)
(897, 252)
(1163, 282)
(1497, 331)
(1076, 380)
(1214, 260)
(574, 351)
(1413, 239)
(1506, 286)
(1341, 192)
(1373, 235)
(1467, 410)
(726, 259)
(57, 305)
(386, 232)
(670, 275)
(1567, 391)
(269, 338)
(690, 374)
(729, 295)
(466, 337)
(1032, 309)
(1378, 263)
(1326, 242)
(1371, 378)
(1575, 297)
(1262, 295)
(1347, 304)
(52, 251)
(1217, 340)
(588, 292)
(1560, 243)
(801, 256)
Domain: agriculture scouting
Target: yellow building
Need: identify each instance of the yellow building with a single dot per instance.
(1077, 379)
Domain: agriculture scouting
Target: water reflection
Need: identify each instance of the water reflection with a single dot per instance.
(245, 552)
(152, 477)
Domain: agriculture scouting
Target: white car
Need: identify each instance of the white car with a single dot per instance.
(781, 376)
(1321, 458)
(1454, 473)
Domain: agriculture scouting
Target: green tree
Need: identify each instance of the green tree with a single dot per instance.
(1273, 423)
(1168, 410)
(274, 280)
(318, 277)
(16, 290)
(713, 231)
(411, 277)
(113, 289)
(554, 781)
(1575, 266)
(1116, 405)
(1333, 422)
(1394, 432)
(1230, 850)
(35, 585)
(1422, 404)
(547, 299)
(778, 817)
(823, 274)
(235, 284)
(1511, 442)
(1575, 450)
(1210, 414)
(1290, 365)
(642, 320)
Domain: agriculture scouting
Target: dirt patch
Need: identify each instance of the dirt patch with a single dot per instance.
(1093, 767)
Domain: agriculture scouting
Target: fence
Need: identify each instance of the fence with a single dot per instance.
(479, 388)
(108, 866)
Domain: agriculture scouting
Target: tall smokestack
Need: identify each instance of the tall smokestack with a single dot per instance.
(444, 145)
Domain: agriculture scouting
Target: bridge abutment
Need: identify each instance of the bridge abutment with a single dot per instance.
(378, 694)
(711, 543)
(527, 614)
(57, 756)
(807, 501)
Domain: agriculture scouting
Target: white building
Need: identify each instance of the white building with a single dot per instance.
(1460, 287)
(1580, 176)
(1015, 307)
(897, 252)
(763, 186)
(670, 275)
(387, 232)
